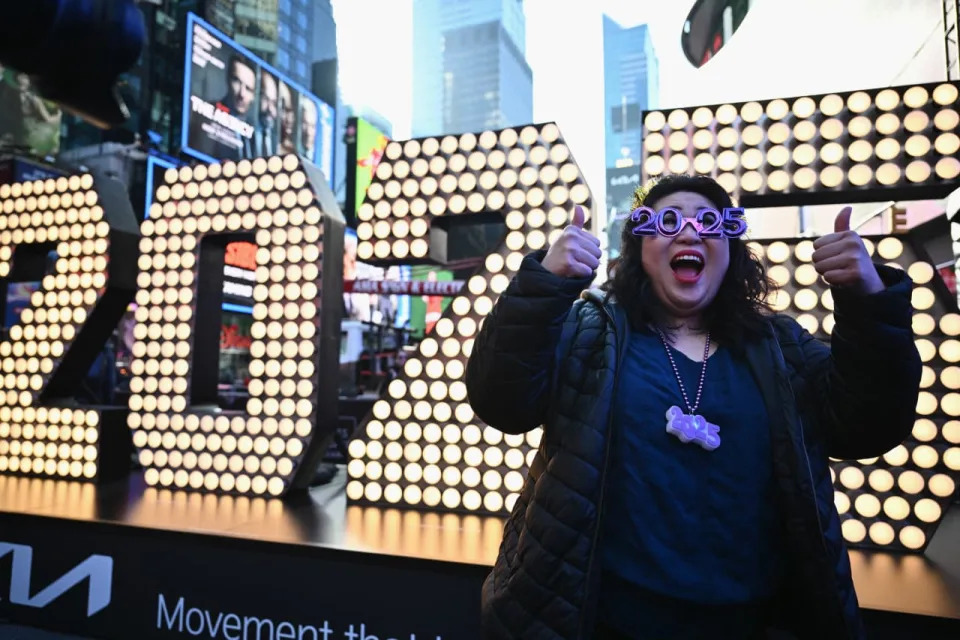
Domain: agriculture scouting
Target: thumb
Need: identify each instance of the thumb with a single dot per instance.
(579, 217)
(842, 222)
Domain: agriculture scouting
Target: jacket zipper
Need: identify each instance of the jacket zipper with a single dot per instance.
(606, 464)
(806, 455)
(813, 486)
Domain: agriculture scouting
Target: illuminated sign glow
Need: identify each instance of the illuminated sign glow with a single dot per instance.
(260, 450)
(895, 501)
(44, 358)
(423, 446)
(886, 143)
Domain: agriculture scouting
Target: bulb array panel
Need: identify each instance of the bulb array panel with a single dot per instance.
(897, 500)
(36, 439)
(423, 446)
(777, 151)
(255, 452)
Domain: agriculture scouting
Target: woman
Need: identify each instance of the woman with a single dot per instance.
(626, 528)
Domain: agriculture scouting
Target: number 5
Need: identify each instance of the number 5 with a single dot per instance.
(734, 225)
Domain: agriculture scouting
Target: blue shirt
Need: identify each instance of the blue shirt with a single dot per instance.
(689, 535)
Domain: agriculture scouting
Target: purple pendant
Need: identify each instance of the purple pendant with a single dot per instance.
(692, 428)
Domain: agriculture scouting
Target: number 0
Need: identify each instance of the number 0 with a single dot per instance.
(183, 440)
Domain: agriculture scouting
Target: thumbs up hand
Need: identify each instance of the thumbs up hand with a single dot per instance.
(576, 253)
(842, 259)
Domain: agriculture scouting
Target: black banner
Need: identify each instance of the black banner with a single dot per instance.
(112, 581)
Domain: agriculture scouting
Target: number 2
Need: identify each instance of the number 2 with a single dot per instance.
(91, 226)
(423, 446)
(647, 220)
(712, 229)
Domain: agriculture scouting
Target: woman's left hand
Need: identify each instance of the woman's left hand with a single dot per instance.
(842, 259)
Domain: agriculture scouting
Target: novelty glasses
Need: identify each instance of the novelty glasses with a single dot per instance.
(708, 223)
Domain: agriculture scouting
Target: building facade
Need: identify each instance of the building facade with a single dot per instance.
(631, 82)
(631, 86)
(279, 31)
(286, 33)
(469, 66)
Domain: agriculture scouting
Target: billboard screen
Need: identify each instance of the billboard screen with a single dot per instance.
(364, 149)
(18, 169)
(425, 310)
(237, 106)
(709, 26)
(26, 119)
(383, 309)
(155, 168)
(621, 183)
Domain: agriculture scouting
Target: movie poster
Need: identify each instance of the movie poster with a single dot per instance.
(236, 106)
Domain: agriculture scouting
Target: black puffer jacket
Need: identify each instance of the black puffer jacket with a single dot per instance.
(539, 361)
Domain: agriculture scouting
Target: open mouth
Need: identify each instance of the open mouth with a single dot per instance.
(687, 265)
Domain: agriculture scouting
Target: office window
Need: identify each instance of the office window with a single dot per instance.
(302, 20)
(301, 43)
(284, 32)
(283, 59)
(302, 68)
(285, 6)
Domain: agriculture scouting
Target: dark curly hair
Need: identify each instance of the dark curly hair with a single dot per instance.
(738, 311)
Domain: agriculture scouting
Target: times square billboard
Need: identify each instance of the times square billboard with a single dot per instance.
(237, 106)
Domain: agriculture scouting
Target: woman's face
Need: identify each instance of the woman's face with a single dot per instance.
(686, 285)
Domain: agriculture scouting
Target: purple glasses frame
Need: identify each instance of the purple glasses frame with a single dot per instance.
(728, 224)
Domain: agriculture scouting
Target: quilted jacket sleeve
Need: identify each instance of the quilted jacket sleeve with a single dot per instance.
(866, 383)
(509, 372)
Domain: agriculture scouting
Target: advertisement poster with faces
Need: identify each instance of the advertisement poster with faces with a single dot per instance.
(236, 106)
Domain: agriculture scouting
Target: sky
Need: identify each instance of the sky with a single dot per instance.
(783, 48)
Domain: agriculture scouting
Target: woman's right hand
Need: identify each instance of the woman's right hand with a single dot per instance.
(576, 253)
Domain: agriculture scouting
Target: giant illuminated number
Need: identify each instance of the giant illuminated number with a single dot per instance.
(91, 227)
(837, 147)
(895, 501)
(423, 446)
(183, 440)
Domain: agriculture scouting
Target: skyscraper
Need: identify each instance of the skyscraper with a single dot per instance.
(295, 46)
(470, 72)
(325, 82)
(631, 86)
(279, 31)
